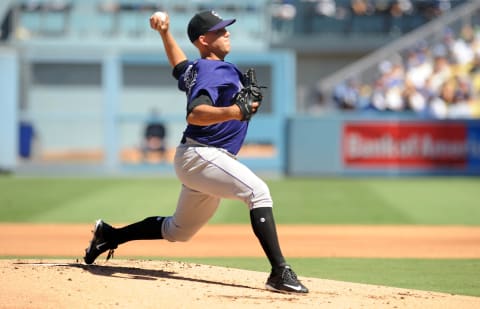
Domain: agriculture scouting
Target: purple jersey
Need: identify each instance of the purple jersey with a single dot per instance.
(220, 80)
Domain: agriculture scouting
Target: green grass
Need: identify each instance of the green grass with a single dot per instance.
(411, 201)
(296, 201)
(458, 276)
(84, 200)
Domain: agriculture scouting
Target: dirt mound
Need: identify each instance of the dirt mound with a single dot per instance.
(156, 284)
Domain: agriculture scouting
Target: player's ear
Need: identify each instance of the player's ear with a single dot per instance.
(202, 40)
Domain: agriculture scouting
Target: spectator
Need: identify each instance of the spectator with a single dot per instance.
(400, 8)
(392, 82)
(346, 95)
(441, 71)
(475, 74)
(326, 8)
(283, 17)
(439, 82)
(413, 97)
(462, 46)
(362, 7)
(418, 66)
(154, 137)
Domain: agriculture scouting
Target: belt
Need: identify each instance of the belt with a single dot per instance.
(190, 141)
(194, 143)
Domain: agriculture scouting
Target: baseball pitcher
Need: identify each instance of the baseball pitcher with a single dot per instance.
(221, 100)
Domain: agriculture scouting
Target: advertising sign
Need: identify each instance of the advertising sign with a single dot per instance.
(473, 137)
(405, 144)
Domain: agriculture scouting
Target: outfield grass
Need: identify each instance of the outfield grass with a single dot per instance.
(296, 201)
(418, 201)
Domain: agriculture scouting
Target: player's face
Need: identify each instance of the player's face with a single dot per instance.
(218, 42)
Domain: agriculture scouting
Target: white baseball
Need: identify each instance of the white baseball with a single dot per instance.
(161, 15)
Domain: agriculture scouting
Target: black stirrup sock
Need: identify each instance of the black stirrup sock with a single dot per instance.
(149, 228)
(264, 228)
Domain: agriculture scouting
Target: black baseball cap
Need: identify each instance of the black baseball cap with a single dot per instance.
(204, 22)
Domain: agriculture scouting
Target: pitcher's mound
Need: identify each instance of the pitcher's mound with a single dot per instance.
(167, 284)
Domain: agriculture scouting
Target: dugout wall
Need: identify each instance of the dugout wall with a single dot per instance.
(89, 107)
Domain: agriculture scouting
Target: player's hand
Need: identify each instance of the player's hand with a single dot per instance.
(248, 101)
(255, 106)
(243, 113)
(158, 23)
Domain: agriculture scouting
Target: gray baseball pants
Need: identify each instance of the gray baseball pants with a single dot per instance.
(209, 174)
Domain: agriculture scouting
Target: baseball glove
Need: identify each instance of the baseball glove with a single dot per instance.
(250, 93)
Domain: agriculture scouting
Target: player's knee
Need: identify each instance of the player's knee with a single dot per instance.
(261, 196)
(177, 235)
(182, 237)
(173, 232)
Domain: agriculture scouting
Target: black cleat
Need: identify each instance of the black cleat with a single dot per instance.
(99, 243)
(284, 280)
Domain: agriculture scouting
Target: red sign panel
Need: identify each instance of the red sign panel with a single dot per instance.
(385, 144)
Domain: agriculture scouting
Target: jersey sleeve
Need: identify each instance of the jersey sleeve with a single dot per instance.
(179, 69)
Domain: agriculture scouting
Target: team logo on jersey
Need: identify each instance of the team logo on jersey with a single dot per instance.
(190, 78)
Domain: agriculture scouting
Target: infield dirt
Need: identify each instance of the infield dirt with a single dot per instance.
(50, 282)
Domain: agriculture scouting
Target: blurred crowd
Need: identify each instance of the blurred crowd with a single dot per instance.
(346, 16)
(439, 80)
(430, 8)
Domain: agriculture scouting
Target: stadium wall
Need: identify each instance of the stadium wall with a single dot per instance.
(8, 108)
(347, 145)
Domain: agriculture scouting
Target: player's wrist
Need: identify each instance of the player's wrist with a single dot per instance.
(164, 33)
(236, 112)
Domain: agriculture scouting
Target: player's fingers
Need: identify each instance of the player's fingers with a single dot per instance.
(163, 24)
(153, 22)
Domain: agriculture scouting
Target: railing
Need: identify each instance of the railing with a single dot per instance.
(265, 21)
(117, 20)
(329, 18)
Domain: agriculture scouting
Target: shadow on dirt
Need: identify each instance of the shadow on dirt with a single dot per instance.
(137, 273)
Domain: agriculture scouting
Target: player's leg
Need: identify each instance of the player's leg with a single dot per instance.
(215, 172)
(219, 174)
(106, 237)
(194, 210)
(148, 228)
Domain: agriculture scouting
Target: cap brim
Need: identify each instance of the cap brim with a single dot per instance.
(222, 24)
